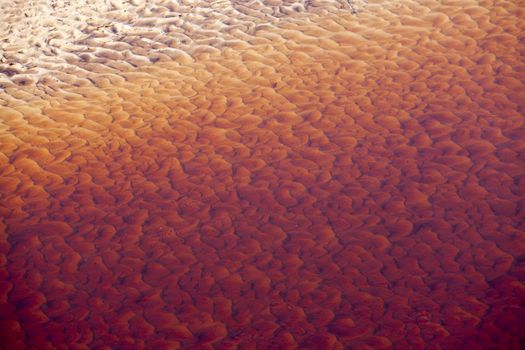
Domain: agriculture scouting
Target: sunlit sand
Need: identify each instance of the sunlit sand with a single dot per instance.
(314, 174)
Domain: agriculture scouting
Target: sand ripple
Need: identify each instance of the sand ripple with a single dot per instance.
(262, 174)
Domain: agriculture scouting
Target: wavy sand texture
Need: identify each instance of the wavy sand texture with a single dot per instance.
(262, 174)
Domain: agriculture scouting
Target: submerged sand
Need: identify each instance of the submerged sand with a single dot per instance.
(262, 174)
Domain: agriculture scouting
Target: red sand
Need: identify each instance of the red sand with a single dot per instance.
(324, 180)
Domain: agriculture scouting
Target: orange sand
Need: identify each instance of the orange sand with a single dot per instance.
(262, 174)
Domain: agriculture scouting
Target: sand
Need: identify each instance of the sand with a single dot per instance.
(272, 174)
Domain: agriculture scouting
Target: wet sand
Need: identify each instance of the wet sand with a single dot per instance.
(262, 174)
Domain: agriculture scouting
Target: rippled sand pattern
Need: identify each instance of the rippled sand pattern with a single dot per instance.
(312, 174)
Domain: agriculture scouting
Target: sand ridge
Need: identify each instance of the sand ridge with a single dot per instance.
(263, 174)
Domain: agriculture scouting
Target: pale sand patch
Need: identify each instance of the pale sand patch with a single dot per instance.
(43, 36)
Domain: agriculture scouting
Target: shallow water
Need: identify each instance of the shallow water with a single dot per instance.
(249, 175)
